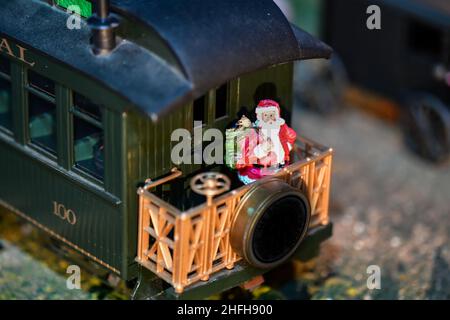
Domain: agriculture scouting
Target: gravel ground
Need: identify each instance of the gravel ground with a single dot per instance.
(30, 268)
(23, 277)
(389, 209)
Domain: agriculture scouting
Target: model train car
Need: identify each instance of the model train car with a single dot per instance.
(86, 118)
(407, 60)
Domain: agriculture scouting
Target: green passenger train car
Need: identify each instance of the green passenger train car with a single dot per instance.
(86, 112)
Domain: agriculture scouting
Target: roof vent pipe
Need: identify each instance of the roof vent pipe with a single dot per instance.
(103, 27)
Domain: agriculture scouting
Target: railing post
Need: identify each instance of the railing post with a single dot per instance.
(144, 220)
(212, 237)
(181, 253)
(324, 219)
(209, 184)
(229, 257)
(206, 244)
(311, 180)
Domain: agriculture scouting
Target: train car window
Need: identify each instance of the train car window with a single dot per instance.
(199, 107)
(5, 94)
(425, 39)
(221, 101)
(41, 83)
(88, 136)
(42, 111)
(5, 66)
(85, 106)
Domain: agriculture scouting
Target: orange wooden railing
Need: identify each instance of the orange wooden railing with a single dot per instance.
(185, 247)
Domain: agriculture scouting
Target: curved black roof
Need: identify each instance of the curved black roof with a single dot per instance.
(214, 42)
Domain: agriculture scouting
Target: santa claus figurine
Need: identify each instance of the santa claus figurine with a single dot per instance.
(267, 149)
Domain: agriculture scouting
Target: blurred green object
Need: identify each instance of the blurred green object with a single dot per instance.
(85, 6)
(233, 142)
(5, 104)
(307, 14)
(84, 148)
(42, 125)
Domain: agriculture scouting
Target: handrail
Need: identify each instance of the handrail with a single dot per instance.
(149, 184)
(312, 143)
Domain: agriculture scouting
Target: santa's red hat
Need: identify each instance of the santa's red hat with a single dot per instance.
(267, 105)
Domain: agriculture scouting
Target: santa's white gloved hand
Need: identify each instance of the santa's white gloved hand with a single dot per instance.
(290, 147)
(263, 149)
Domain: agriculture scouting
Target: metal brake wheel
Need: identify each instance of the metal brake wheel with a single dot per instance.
(210, 184)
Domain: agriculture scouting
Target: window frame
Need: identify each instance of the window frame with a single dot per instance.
(27, 90)
(6, 77)
(112, 123)
(206, 112)
(111, 188)
(73, 112)
(210, 108)
(65, 111)
(227, 102)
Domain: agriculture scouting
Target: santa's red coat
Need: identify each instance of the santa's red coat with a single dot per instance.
(287, 139)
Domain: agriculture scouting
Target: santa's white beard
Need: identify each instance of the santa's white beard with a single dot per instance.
(272, 132)
(271, 125)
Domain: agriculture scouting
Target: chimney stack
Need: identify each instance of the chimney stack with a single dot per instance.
(103, 27)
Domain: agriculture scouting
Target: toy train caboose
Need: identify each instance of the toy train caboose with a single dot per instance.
(86, 116)
(407, 60)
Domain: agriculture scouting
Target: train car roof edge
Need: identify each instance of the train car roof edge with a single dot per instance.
(265, 38)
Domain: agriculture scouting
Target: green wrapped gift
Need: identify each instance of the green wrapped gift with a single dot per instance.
(233, 142)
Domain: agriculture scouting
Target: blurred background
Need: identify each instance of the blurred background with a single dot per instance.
(382, 103)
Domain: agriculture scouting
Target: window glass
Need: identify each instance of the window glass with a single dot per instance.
(88, 137)
(5, 66)
(5, 94)
(85, 106)
(42, 111)
(41, 83)
(221, 101)
(199, 107)
(42, 119)
(5, 104)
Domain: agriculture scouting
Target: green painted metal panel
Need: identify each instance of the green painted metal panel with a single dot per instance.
(148, 150)
(31, 182)
(33, 185)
